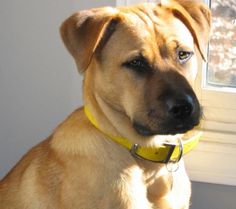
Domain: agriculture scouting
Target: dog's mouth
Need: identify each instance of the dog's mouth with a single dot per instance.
(143, 130)
(165, 129)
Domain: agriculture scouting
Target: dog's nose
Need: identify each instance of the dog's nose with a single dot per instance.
(180, 108)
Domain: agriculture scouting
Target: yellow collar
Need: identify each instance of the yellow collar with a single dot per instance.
(163, 154)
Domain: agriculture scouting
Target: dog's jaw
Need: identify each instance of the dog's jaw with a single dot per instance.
(142, 130)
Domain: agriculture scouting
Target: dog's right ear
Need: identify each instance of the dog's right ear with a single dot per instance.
(196, 16)
(87, 31)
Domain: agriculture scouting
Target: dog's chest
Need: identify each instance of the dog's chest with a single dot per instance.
(158, 183)
(168, 189)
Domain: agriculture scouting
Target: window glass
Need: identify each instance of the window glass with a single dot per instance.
(221, 69)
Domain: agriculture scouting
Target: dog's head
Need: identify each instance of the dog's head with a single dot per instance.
(143, 60)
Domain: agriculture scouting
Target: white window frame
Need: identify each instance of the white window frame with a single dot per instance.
(214, 159)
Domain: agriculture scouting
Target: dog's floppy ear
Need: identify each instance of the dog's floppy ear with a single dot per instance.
(196, 16)
(87, 31)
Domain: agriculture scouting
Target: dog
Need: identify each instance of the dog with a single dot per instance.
(123, 149)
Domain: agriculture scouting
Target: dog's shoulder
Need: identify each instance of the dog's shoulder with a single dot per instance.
(70, 135)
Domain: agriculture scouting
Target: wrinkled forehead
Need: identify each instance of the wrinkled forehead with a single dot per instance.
(157, 24)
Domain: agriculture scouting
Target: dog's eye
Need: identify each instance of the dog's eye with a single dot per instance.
(184, 56)
(139, 65)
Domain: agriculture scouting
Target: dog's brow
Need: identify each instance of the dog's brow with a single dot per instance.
(145, 16)
(150, 18)
(139, 54)
(173, 42)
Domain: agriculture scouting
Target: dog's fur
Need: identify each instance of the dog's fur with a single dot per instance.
(78, 167)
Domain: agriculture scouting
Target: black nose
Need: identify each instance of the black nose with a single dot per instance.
(180, 107)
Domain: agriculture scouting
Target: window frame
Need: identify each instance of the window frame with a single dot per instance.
(212, 161)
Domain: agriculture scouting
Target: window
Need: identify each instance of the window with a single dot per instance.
(214, 159)
(217, 92)
(222, 49)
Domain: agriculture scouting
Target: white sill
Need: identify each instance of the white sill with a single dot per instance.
(213, 161)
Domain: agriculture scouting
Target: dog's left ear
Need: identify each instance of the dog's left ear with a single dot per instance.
(196, 16)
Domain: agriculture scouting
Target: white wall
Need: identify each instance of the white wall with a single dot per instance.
(39, 84)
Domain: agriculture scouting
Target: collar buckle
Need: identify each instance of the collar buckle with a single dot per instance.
(167, 159)
(171, 150)
(177, 159)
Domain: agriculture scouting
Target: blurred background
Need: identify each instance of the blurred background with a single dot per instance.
(222, 59)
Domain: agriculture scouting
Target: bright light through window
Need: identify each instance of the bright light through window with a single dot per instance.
(222, 49)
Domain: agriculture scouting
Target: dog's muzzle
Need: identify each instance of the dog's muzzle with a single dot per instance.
(181, 112)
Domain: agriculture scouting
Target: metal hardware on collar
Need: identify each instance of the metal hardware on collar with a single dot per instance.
(173, 165)
(172, 148)
(176, 160)
(181, 150)
(133, 151)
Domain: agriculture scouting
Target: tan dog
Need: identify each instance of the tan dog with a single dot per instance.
(139, 64)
